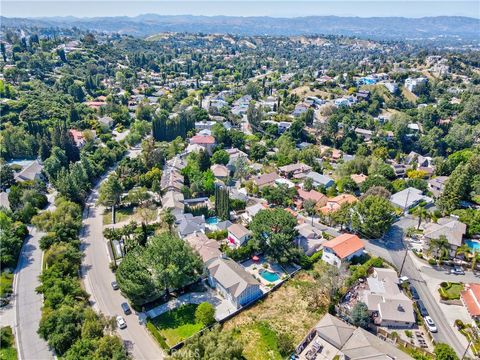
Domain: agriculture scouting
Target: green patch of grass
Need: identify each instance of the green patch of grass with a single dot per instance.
(120, 215)
(178, 324)
(7, 350)
(265, 344)
(6, 282)
(451, 291)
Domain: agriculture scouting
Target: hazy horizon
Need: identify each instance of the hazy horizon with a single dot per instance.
(245, 8)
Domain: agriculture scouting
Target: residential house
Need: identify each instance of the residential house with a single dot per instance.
(172, 180)
(294, 170)
(284, 126)
(319, 198)
(220, 172)
(335, 203)
(300, 109)
(207, 248)
(30, 172)
(364, 134)
(238, 235)
(173, 200)
(400, 170)
(408, 198)
(413, 84)
(106, 121)
(4, 202)
(437, 185)
(342, 249)
(319, 179)
(232, 281)
(265, 179)
(334, 339)
(358, 178)
(391, 87)
(450, 227)
(251, 211)
(207, 142)
(309, 239)
(189, 224)
(77, 137)
(204, 125)
(471, 299)
(386, 302)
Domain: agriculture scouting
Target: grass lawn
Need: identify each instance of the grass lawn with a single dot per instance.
(284, 311)
(178, 324)
(7, 351)
(451, 291)
(120, 215)
(6, 281)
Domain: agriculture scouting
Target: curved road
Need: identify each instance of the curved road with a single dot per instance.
(97, 277)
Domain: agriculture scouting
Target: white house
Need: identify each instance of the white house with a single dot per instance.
(238, 235)
(342, 249)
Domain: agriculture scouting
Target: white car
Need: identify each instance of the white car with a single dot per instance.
(121, 322)
(430, 324)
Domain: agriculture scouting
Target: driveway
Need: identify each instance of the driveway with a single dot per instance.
(97, 278)
(27, 302)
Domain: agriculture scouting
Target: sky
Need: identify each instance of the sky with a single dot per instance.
(273, 8)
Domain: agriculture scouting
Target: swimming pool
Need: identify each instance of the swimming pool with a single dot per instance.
(269, 276)
(212, 220)
(474, 245)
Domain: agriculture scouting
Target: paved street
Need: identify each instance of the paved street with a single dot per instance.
(98, 277)
(392, 250)
(28, 303)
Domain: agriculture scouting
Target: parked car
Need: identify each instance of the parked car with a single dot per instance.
(457, 270)
(430, 324)
(403, 279)
(126, 309)
(414, 293)
(121, 322)
(421, 307)
(115, 285)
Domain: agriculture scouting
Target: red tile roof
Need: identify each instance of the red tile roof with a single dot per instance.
(471, 298)
(345, 245)
(202, 139)
(311, 195)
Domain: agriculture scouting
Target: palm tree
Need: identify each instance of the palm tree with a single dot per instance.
(440, 247)
(464, 250)
(422, 214)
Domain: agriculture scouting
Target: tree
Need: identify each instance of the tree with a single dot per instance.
(360, 316)
(309, 206)
(205, 314)
(203, 160)
(377, 191)
(308, 184)
(421, 213)
(444, 352)
(222, 202)
(136, 279)
(220, 157)
(440, 247)
(110, 193)
(258, 151)
(6, 176)
(372, 216)
(212, 344)
(168, 218)
(274, 232)
(375, 180)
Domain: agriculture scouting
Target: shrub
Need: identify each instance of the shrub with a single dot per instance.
(218, 234)
(459, 324)
(432, 262)
(205, 314)
(156, 334)
(444, 284)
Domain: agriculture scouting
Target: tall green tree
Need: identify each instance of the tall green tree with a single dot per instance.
(373, 216)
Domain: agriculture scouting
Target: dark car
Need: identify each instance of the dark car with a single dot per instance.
(115, 285)
(126, 309)
(414, 293)
(421, 307)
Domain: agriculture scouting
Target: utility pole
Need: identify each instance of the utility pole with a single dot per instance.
(403, 242)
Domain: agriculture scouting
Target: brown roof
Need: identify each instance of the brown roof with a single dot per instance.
(345, 245)
(311, 195)
(265, 179)
(202, 139)
(358, 178)
(238, 230)
(207, 248)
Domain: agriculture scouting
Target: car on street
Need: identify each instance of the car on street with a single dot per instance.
(414, 293)
(457, 270)
(430, 324)
(121, 322)
(126, 309)
(115, 285)
(421, 307)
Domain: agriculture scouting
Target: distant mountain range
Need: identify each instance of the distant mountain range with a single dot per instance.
(387, 28)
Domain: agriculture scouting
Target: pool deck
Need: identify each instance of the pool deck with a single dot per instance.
(254, 268)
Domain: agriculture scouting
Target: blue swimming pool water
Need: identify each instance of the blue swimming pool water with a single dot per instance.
(474, 245)
(212, 220)
(269, 276)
